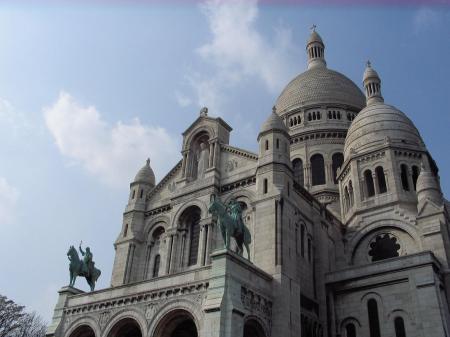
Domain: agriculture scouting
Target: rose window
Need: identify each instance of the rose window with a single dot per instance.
(384, 246)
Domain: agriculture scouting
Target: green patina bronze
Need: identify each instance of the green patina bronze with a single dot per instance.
(85, 267)
(229, 219)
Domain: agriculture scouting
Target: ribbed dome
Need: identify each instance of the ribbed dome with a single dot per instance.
(274, 122)
(314, 37)
(378, 124)
(320, 85)
(145, 175)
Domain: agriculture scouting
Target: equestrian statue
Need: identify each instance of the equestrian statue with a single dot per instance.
(85, 267)
(229, 220)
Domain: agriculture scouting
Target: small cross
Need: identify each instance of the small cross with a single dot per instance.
(313, 28)
(368, 63)
(274, 109)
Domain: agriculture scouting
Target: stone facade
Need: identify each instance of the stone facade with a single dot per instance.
(350, 231)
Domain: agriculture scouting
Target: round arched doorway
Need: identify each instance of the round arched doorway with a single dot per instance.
(178, 323)
(83, 331)
(127, 327)
(252, 328)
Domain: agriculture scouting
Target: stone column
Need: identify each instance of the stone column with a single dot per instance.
(329, 173)
(386, 175)
(211, 154)
(173, 254)
(169, 254)
(148, 255)
(410, 180)
(362, 184)
(216, 154)
(375, 183)
(202, 243)
(183, 164)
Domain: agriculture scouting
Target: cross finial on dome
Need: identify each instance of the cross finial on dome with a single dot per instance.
(274, 109)
(148, 162)
(368, 64)
(313, 28)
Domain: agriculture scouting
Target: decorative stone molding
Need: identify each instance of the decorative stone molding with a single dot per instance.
(257, 304)
(164, 180)
(240, 152)
(240, 183)
(371, 157)
(159, 210)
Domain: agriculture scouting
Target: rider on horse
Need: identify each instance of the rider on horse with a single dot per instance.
(88, 264)
(235, 211)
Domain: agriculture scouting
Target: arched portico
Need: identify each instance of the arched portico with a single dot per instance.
(177, 323)
(126, 327)
(252, 328)
(83, 331)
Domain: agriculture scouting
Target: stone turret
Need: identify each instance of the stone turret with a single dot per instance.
(427, 188)
(316, 50)
(372, 85)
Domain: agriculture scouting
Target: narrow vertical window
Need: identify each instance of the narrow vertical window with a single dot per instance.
(381, 179)
(404, 177)
(350, 330)
(278, 143)
(133, 194)
(399, 325)
(125, 230)
(267, 144)
(374, 321)
(318, 169)
(296, 240)
(156, 265)
(297, 165)
(337, 161)
(265, 186)
(141, 194)
(302, 241)
(369, 183)
(195, 240)
(415, 175)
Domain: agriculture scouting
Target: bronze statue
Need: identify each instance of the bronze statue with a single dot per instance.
(231, 225)
(85, 267)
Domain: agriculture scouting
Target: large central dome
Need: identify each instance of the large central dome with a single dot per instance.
(320, 85)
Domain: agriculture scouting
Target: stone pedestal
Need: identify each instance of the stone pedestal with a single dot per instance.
(227, 305)
(58, 313)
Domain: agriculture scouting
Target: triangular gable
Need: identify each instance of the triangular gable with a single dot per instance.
(168, 179)
(218, 119)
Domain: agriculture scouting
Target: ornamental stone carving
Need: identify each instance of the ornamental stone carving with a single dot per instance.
(257, 304)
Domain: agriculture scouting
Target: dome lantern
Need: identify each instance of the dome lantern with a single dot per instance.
(372, 85)
(145, 175)
(316, 50)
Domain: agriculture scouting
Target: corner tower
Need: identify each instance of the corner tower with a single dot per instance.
(318, 106)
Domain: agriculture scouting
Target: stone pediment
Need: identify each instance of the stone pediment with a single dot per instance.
(167, 185)
(234, 160)
(429, 208)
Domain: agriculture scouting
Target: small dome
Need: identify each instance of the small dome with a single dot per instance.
(314, 37)
(320, 85)
(274, 122)
(427, 187)
(145, 175)
(378, 124)
(370, 72)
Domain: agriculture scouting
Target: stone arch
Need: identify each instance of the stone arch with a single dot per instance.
(199, 203)
(150, 225)
(388, 225)
(127, 317)
(81, 328)
(255, 327)
(350, 319)
(173, 308)
(194, 133)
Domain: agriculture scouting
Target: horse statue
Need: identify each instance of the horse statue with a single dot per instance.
(84, 268)
(230, 227)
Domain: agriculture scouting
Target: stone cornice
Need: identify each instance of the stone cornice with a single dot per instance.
(239, 152)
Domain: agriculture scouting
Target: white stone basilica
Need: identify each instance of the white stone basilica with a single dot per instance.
(350, 230)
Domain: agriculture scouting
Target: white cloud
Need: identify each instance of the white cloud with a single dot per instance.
(12, 120)
(238, 51)
(113, 153)
(8, 200)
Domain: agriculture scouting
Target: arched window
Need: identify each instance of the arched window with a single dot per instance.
(190, 222)
(337, 159)
(296, 240)
(350, 330)
(134, 194)
(404, 177)
(381, 179)
(195, 239)
(297, 165)
(415, 175)
(317, 170)
(302, 240)
(156, 265)
(369, 183)
(374, 321)
(399, 325)
(350, 191)
(141, 194)
(384, 246)
(346, 199)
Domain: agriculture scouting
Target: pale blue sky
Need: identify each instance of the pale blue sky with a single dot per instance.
(88, 92)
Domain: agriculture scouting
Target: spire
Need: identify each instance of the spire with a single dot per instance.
(315, 49)
(427, 187)
(372, 85)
